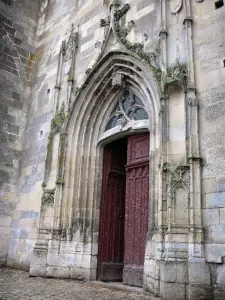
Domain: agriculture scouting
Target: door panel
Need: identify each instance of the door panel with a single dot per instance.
(124, 210)
(136, 209)
(111, 239)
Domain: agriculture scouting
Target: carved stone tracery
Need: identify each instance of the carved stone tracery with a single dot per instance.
(128, 108)
(47, 199)
(180, 175)
(178, 75)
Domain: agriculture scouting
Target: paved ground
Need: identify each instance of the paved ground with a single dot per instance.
(17, 285)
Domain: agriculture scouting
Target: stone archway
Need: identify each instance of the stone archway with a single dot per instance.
(83, 180)
(77, 200)
(125, 194)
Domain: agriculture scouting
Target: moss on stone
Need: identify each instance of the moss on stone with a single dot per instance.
(57, 122)
(148, 58)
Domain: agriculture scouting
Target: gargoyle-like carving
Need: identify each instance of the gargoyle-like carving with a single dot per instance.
(176, 76)
(47, 199)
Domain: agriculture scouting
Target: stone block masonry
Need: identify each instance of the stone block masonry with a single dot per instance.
(17, 60)
(64, 68)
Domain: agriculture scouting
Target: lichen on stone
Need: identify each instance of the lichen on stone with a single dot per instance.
(58, 121)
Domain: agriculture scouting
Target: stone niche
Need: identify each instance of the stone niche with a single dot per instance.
(177, 134)
(181, 206)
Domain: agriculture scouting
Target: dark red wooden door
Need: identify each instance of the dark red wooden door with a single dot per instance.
(136, 208)
(111, 239)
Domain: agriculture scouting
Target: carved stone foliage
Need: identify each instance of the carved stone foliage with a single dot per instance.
(62, 145)
(150, 58)
(174, 76)
(58, 121)
(176, 175)
(180, 175)
(121, 33)
(47, 199)
(128, 108)
(119, 13)
(178, 75)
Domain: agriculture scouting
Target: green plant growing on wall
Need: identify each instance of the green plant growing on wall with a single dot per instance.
(176, 75)
(57, 122)
(61, 158)
(56, 127)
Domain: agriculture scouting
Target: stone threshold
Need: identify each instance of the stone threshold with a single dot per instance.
(120, 286)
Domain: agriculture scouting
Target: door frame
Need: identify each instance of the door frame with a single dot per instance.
(101, 144)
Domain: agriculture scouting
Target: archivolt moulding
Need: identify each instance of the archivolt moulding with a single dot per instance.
(86, 129)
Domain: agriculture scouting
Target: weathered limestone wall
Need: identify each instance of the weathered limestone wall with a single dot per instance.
(56, 19)
(18, 20)
(178, 262)
(209, 48)
(54, 26)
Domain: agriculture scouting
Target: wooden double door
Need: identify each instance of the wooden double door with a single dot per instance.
(124, 210)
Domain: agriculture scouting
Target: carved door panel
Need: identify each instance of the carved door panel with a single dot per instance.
(136, 209)
(111, 239)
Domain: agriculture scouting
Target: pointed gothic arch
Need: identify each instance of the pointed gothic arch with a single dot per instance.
(81, 194)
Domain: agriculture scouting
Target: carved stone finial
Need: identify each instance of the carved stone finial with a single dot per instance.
(121, 12)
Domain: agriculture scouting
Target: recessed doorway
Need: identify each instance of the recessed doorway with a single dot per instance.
(124, 210)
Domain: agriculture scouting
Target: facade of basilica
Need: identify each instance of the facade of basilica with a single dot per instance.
(112, 142)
